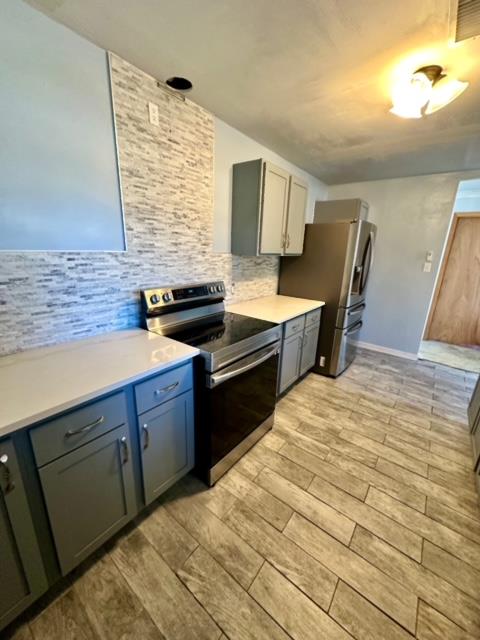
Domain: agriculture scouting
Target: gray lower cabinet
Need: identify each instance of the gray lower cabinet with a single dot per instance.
(89, 494)
(309, 348)
(290, 362)
(167, 444)
(299, 348)
(22, 576)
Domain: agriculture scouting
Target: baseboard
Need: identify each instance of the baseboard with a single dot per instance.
(391, 352)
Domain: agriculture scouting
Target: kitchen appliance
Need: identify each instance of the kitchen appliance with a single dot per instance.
(236, 373)
(334, 267)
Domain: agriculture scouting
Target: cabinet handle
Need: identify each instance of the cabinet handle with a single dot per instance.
(86, 428)
(166, 389)
(146, 434)
(124, 443)
(10, 485)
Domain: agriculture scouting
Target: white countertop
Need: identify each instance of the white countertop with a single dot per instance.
(275, 308)
(39, 383)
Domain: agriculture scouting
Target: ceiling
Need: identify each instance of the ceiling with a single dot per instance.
(310, 79)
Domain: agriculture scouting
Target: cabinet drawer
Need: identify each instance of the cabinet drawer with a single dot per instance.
(62, 435)
(294, 326)
(312, 317)
(163, 387)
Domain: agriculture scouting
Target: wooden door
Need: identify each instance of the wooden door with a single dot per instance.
(455, 314)
(274, 209)
(297, 204)
(167, 444)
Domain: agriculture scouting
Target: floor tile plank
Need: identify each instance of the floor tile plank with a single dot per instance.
(390, 596)
(342, 479)
(296, 613)
(451, 569)
(237, 557)
(311, 577)
(65, 619)
(397, 535)
(283, 466)
(230, 606)
(374, 477)
(262, 502)
(432, 530)
(330, 520)
(419, 580)
(468, 527)
(432, 625)
(361, 618)
(171, 606)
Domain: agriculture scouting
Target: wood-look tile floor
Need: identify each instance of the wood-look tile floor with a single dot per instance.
(355, 517)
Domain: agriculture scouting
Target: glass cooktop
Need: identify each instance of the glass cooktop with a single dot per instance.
(226, 330)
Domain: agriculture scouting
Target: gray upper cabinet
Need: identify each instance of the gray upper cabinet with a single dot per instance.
(22, 576)
(167, 444)
(268, 210)
(89, 494)
(295, 228)
(273, 209)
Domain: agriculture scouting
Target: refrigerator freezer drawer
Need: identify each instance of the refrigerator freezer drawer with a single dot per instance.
(346, 317)
(344, 348)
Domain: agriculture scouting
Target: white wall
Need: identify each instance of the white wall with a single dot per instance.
(412, 216)
(232, 146)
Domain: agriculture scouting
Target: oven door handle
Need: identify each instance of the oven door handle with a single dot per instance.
(216, 379)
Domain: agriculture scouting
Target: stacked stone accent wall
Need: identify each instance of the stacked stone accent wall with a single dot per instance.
(167, 186)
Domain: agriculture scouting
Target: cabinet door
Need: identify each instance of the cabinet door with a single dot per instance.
(309, 348)
(274, 209)
(22, 575)
(291, 354)
(167, 444)
(89, 495)
(297, 204)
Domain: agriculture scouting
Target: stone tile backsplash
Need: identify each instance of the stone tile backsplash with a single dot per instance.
(167, 184)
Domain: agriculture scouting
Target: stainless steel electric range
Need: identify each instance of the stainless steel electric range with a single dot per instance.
(236, 373)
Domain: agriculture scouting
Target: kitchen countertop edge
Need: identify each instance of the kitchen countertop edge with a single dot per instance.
(34, 417)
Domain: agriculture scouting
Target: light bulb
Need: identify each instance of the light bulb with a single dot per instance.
(410, 95)
(444, 91)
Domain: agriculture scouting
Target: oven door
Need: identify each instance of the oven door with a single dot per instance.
(240, 402)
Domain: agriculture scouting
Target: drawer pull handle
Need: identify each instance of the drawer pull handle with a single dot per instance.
(86, 428)
(9, 484)
(124, 443)
(146, 434)
(166, 389)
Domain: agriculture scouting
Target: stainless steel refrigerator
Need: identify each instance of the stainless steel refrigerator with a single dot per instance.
(334, 267)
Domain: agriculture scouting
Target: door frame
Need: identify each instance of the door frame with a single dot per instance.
(443, 267)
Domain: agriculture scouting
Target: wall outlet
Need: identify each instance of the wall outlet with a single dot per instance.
(429, 256)
(153, 114)
(427, 267)
(322, 361)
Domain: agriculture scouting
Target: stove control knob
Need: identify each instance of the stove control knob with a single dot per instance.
(154, 299)
(211, 288)
(166, 297)
(219, 288)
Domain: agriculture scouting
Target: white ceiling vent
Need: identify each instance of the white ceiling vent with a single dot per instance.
(468, 20)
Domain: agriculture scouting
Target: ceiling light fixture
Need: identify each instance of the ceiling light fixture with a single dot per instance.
(424, 92)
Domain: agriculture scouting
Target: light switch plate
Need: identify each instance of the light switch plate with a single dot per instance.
(427, 267)
(153, 114)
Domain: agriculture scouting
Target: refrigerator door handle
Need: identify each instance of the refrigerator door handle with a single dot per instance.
(357, 311)
(355, 329)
